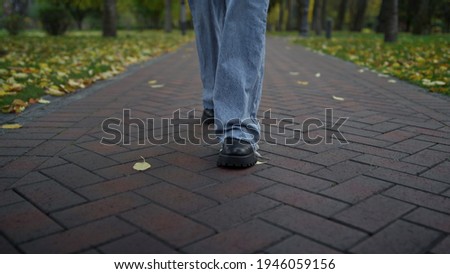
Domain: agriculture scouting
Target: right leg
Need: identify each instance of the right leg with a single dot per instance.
(208, 17)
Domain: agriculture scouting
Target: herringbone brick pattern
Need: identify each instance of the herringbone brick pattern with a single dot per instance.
(386, 191)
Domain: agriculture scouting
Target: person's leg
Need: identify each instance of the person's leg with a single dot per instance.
(240, 70)
(208, 17)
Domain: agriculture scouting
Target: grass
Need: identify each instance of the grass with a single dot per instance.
(34, 64)
(422, 60)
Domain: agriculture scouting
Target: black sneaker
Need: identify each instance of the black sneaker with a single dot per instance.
(236, 153)
(208, 117)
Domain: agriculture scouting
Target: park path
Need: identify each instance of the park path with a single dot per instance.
(386, 191)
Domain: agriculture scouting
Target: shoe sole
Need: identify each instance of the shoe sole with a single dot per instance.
(237, 161)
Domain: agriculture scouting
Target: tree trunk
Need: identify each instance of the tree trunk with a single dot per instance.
(19, 7)
(383, 16)
(447, 20)
(391, 27)
(407, 10)
(281, 16)
(79, 23)
(78, 15)
(317, 17)
(422, 21)
(303, 6)
(324, 13)
(109, 18)
(293, 15)
(183, 17)
(168, 16)
(341, 15)
(358, 20)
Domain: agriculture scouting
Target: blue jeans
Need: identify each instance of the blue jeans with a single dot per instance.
(230, 36)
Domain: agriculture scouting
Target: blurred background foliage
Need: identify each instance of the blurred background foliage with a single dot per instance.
(416, 16)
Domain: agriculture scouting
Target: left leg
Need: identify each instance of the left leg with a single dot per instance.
(238, 83)
(240, 70)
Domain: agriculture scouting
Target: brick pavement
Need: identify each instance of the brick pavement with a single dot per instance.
(386, 191)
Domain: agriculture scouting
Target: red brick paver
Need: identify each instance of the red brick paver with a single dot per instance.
(386, 191)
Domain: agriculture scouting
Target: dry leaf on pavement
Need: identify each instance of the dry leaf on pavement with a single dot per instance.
(142, 166)
(303, 83)
(11, 126)
(338, 98)
(157, 86)
(43, 101)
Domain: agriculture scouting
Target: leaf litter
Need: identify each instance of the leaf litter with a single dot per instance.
(142, 166)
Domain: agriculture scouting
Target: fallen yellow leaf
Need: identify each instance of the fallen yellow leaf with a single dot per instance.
(4, 93)
(54, 92)
(75, 84)
(15, 87)
(303, 83)
(43, 101)
(11, 126)
(61, 74)
(152, 82)
(157, 86)
(338, 98)
(11, 80)
(142, 166)
(20, 76)
(20, 103)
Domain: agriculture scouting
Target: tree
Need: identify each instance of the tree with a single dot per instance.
(303, 17)
(168, 16)
(428, 14)
(443, 12)
(407, 9)
(317, 17)
(359, 14)
(391, 27)
(292, 21)
(420, 22)
(383, 16)
(341, 14)
(109, 18)
(18, 7)
(183, 17)
(78, 9)
(149, 12)
(324, 13)
(14, 11)
(281, 16)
